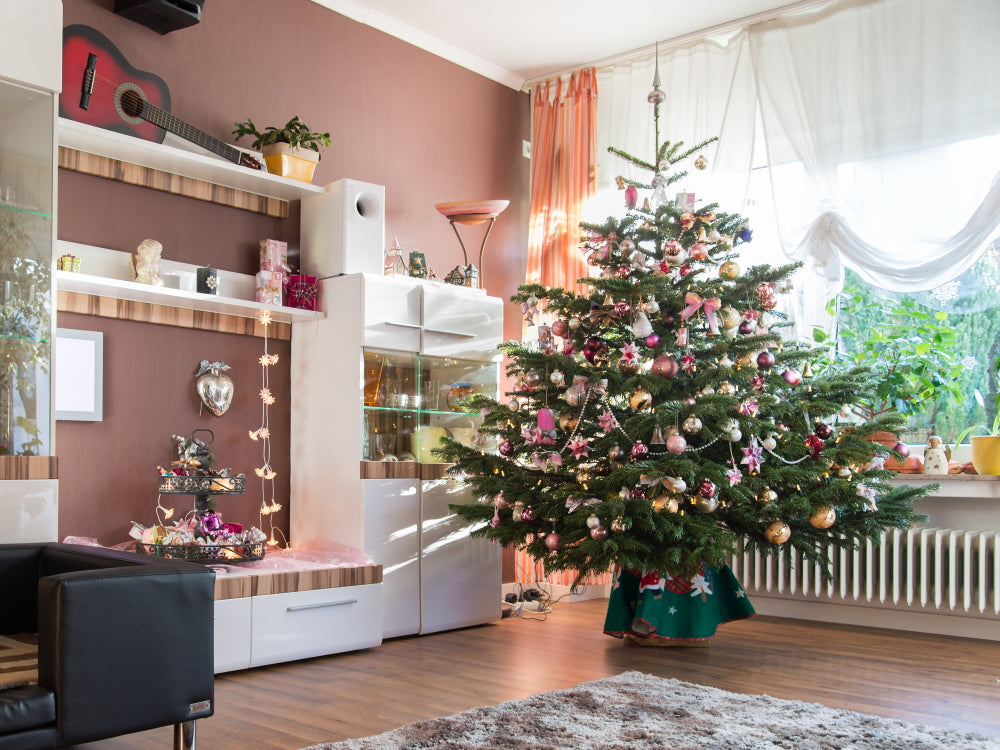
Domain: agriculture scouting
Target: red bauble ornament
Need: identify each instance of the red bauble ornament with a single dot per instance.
(793, 377)
(552, 541)
(746, 327)
(652, 340)
(665, 366)
(706, 489)
(631, 196)
(822, 430)
(560, 328)
(765, 360)
(902, 449)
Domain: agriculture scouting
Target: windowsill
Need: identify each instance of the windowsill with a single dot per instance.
(955, 485)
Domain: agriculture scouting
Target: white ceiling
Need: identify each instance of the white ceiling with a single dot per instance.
(517, 41)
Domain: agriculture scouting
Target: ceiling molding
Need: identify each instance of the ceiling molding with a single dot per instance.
(366, 15)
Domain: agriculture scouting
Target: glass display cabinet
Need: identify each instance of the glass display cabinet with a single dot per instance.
(30, 78)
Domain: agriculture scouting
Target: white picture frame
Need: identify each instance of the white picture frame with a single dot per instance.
(79, 375)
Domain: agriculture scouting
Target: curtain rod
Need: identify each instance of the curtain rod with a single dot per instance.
(682, 39)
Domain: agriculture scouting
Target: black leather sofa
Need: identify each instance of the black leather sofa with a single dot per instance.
(125, 644)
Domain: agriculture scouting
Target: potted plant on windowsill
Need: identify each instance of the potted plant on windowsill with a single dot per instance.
(289, 151)
(911, 358)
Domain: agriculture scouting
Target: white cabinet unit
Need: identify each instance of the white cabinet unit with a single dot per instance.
(372, 399)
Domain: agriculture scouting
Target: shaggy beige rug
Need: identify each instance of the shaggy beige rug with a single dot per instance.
(636, 711)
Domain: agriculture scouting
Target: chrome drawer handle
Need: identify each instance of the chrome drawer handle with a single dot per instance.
(321, 605)
(402, 325)
(443, 332)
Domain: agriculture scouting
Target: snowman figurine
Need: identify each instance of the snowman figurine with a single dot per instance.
(935, 458)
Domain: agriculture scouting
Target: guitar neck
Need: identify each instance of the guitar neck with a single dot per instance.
(165, 120)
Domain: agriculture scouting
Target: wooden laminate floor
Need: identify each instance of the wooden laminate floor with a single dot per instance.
(930, 679)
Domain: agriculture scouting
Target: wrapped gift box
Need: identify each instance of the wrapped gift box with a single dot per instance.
(269, 285)
(274, 255)
(303, 291)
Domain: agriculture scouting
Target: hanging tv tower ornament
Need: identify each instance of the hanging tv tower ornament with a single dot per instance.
(656, 97)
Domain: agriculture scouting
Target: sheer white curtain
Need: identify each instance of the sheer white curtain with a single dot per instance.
(876, 122)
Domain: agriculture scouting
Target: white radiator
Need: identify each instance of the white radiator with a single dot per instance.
(939, 571)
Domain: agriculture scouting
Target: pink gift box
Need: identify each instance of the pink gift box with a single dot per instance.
(269, 287)
(274, 255)
(303, 291)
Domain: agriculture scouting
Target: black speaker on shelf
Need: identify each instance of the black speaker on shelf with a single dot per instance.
(162, 16)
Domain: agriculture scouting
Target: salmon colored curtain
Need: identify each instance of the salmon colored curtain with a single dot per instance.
(563, 176)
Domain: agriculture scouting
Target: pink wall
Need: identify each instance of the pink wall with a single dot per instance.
(428, 130)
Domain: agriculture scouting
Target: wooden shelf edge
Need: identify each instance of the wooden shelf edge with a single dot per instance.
(29, 467)
(84, 303)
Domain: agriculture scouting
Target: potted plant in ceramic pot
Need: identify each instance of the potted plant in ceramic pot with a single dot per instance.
(911, 356)
(289, 151)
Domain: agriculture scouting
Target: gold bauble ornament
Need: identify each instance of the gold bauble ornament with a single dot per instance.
(766, 495)
(726, 388)
(729, 270)
(823, 518)
(665, 502)
(640, 399)
(567, 422)
(619, 525)
(701, 162)
(777, 532)
(629, 367)
(729, 317)
(692, 424)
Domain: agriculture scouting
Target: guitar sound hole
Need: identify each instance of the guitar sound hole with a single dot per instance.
(131, 103)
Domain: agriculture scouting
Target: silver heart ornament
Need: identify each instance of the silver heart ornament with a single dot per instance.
(215, 388)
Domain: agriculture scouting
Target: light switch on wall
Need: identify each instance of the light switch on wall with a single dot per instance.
(526, 149)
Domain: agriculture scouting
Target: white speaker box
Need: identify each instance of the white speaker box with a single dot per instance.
(343, 230)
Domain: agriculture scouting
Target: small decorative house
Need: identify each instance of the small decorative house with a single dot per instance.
(456, 276)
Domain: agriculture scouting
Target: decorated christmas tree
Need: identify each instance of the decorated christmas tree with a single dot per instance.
(661, 422)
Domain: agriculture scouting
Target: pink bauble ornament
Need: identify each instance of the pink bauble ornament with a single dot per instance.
(765, 360)
(631, 196)
(552, 541)
(676, 444)
(560, 328)
(706, 488)
(792, 377)
(665, 366)
(902, 449)
(599, 533)
(639, 451)
(652, 340)
(746, 327)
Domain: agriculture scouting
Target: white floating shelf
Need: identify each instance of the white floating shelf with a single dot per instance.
(179, 161)
(110, 266)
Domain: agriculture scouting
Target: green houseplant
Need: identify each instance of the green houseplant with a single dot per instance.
(290, 151)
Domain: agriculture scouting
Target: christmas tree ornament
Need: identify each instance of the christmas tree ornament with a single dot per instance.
(729, 317)
(901, 448)
(730, 269)
(532, 378)
(560, 328)
(676, 484)
(557, 378)
(593, 521)
(823, 518)
(652, 340)
(517, 511)
(704, 504)
(214, 387)
(822, 430)
(844, 473)
(682, 336)
(618, 525)
(639, 451)
(769, 443)
(628, 366)
(706, 488)
(692, 424)
(545, 341)
(665, 366)
(767, 496)
(640, 399)
(645, 205)
(615, 454)
(676, 444)
(674, 253)
(665, 502)
(631, 196)
(765, 360)
(599, 533)
(567, 422)
(527, 514)
(792, 377)
(726, 388)
(777, 532)
(807, 371)
(658, 437)
(552, 541)
(746, 327)
(698, 251)
(505, 448)
(641, 327)
(626, 246)
(765, 296)
(574, 323)
(651, 306)
(701, 162)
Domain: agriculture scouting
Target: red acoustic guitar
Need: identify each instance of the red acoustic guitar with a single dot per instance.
(101, 88)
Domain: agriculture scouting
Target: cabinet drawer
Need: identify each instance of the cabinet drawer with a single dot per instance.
(311, 623)
(232, 634)
(391, 314)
